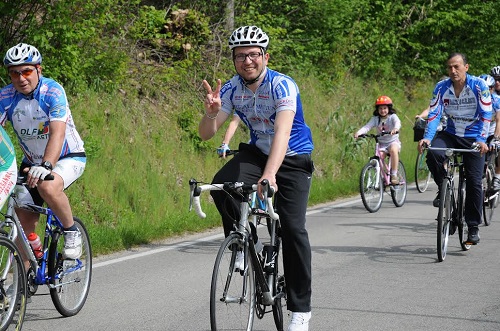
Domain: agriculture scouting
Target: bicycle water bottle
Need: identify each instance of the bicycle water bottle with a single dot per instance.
(36, 244)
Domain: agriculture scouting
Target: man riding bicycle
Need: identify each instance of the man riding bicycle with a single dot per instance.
(466, 100)
(280, 147)
(38, 110)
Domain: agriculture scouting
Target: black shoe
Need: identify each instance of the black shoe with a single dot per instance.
(473, 237)
(436, 200)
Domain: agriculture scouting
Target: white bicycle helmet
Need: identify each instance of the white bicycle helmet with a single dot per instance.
(495, 71)
(490, 81)
(248, 36)
(22, 54)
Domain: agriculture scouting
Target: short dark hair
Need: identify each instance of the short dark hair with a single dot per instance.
(462, 55)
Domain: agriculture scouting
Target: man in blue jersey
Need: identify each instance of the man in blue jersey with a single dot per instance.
(466, 101)
(280, 147)
(38, 110)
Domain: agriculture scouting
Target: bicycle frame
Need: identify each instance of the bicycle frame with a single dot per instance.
(384, 165)
(248, 213)
(18, 235)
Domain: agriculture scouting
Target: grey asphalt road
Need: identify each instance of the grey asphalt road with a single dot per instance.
(370, 272)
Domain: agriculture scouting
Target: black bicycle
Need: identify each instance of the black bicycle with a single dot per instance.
(490, 196)
(451, 215)
(245, 283)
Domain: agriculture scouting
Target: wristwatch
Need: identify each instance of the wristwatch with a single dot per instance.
(47, 165)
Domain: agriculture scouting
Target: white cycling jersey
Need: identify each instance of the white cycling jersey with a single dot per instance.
(495, 101)
(258, 110)
(30, 117)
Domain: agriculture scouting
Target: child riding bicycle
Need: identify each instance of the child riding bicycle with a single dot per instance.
(385, 120)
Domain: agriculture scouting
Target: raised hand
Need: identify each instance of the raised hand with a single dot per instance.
(212, 100)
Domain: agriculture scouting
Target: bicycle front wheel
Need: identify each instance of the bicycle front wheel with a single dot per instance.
(398, 192)
(69, 280)
(13, 286)
(232, 293)
(422, 173)
(371, 188)
(444, 219)
(279, 288)
(461, 225)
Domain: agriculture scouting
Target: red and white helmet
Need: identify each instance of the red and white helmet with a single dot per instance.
(383, 100)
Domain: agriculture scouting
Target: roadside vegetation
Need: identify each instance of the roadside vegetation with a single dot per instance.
(133, 72)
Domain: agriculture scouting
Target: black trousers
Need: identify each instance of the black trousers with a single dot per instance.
(474, 166)
(294, 183)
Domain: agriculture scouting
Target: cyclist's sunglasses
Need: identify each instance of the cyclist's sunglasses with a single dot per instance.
(17, 73)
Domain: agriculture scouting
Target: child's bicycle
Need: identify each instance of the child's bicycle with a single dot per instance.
(68, 280)
(244, 282)
(375, 177)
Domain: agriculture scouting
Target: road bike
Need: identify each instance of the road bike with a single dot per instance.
(68, 280)
(375, 178)
(422, 172)
(451, 214)
(255, 286)
(490, 196)
(13, 286)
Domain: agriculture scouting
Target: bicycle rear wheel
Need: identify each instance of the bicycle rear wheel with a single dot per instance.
(69, 280)
(232, 292)
(444, 219)
(490, 197)
(398, 192)
(13, 286)
(461, 225)
(371, 188)
(422, 173)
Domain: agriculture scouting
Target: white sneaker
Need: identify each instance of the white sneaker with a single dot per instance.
(239, 262)
(299, 322)
(72, 244)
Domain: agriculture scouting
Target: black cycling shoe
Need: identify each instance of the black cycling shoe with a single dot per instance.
(473, 237)
(436, 200)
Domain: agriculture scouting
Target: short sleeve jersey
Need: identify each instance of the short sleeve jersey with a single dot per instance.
(258, 110)
(468, 114)
(30, 118)
(495, 101)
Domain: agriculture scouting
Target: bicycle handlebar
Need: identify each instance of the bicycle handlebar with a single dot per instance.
(21, 179)
(372, 135)
(475, 148)
(195, 192)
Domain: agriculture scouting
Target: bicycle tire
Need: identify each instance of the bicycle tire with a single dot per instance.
(13, 286)
(489, 202)
(69, 280)
(444, 219)
(279, 288)
(371, 194)
(422, 172)
(398, 192)
(461, 225)
(232, 293)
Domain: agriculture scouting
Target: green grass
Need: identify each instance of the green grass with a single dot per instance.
(142, 153)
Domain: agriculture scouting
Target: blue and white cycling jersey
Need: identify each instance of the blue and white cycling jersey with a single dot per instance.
(495, 101)
(258, 110)
(30, 118)
(469, 114)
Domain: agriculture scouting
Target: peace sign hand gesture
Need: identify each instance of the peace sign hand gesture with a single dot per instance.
(212, 101)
